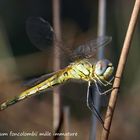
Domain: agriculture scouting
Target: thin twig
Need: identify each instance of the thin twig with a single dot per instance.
(56, 95)
(120, 69)
(66, 113)
(59, 127)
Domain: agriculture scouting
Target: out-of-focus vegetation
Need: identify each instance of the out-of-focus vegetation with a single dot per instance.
(20, 60)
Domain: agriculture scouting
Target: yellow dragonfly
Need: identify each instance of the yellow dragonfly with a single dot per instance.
(85, 67)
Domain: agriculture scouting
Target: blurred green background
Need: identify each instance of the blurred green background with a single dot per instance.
(20, 60)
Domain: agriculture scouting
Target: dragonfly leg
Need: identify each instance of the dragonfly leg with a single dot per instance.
(110, 81)
(89, 83)
(102, 93)
(104, 82)
(90, 104)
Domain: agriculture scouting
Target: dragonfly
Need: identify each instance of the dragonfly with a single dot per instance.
(84, 67)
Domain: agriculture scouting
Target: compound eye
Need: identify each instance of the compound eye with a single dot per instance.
(100, 67)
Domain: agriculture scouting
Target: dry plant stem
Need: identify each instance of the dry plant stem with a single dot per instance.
(120, 69)
(56, 65)
(66, 112)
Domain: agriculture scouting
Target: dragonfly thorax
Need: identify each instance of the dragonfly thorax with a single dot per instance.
(103, 70)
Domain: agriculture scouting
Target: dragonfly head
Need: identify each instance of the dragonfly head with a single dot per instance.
(104, 69)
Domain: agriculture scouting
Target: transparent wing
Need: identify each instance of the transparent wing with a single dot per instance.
(35, 81)
(42, 35)
(40, 32)
(90, 48)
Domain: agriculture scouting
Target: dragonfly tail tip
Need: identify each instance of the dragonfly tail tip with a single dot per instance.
(3, 106)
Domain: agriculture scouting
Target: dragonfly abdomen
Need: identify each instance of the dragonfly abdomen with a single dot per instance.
(54, 80)
(79, 70)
